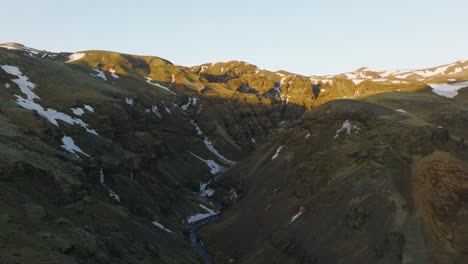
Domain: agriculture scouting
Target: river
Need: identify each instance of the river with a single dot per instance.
(195, 241)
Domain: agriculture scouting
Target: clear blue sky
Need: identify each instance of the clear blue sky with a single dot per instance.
(306, 36)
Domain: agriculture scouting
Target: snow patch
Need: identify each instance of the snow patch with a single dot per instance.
(23, 82)
(215, 168)
(77, 111)
(301, 210)
(76, 56)
(158, 225)
(113, 74)
(148, 80)
(8, 47)
(449, 90)
(277, 153)
(129, 101)
(155, 110)
(69, 145)
(346, 126)
(166, 109)
(99, 74)
(89, 108)
(198, 217)
(112, 194)
(205, 191)
(191, 102)
(209, 145)
(357, 81)
(27, 88)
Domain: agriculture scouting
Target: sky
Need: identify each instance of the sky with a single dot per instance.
(307, 37)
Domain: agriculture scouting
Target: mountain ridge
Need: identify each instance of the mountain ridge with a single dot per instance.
(462, 63)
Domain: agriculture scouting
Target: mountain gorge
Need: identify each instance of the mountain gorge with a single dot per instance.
(114, 158)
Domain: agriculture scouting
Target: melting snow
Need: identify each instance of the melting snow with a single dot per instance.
(357, 81)
(148, 80)
(76, 56)
(23, 82)
(215, 167)
(101, 177)
(129, 101)
(345, 127)
(112, 194)
(7, 85)
(8, 47)
(308, 135)
(89, 108)
(205, 191)
(99, 74)
(198, 217)
(457, 70)
(77, 111)
(155, 223)
(113, 74)
(210, 147)
(301, 210)
(166, 109)
(449, 90)
(327, 81)
(27, 88)
(277, 153)
(191, 101)
(155, 110)
(401, 111)
(69, 145)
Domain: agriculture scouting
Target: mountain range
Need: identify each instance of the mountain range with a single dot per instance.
(116, 158)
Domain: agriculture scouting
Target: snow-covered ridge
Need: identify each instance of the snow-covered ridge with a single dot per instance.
(19, 47)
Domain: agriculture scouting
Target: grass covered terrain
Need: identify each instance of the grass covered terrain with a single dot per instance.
(113, 142)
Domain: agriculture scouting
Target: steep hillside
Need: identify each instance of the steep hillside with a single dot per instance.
(383, 180)
(112, 158)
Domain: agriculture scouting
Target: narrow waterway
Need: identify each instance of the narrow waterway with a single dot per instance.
(195, 241)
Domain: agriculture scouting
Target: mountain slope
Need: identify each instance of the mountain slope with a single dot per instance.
(106, 157)
(382, 180)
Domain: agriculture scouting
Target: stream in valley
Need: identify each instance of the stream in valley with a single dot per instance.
(195, 241)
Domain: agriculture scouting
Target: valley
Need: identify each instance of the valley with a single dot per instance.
(108, 157)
